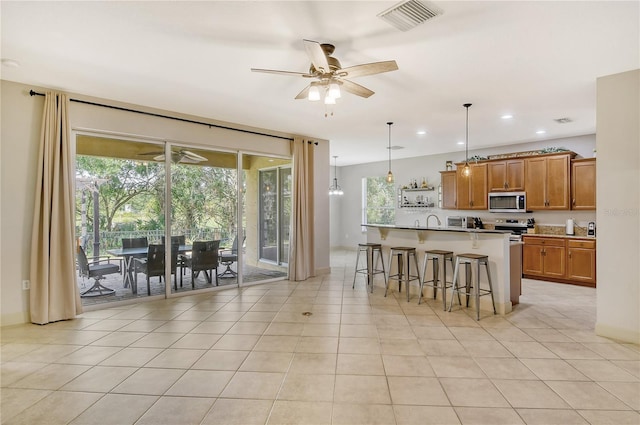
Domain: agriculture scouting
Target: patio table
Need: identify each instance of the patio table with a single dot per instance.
(128, 254)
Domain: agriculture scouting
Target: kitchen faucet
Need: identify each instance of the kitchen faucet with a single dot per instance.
(436, 217)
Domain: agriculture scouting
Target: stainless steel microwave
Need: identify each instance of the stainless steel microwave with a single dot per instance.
(507, 202)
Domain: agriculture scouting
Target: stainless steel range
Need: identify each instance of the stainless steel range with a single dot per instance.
(517, 226)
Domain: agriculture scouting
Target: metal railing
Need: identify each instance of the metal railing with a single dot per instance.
(113, 239)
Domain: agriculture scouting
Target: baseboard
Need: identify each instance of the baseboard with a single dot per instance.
(323, 270)
(17, 318)
(619, 334)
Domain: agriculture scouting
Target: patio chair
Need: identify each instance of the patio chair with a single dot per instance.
(179, 240)
(204, 258)
(228, 257)
(95, 269)
(153, 264)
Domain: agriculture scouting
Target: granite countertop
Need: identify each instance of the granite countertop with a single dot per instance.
(437, 228)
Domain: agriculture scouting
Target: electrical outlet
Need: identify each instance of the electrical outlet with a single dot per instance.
(26, 285)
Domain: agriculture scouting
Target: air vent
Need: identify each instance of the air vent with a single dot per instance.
(563, 120)
(409, 14)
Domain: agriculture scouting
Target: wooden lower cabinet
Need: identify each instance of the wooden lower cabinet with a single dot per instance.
(559, 259)
(581, 261)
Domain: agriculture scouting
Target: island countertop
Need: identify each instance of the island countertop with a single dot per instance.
(436, 228)
(495, 244)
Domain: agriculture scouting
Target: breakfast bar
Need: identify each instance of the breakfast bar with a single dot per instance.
(493, 243)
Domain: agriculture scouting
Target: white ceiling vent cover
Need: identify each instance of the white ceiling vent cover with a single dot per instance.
(409, 14)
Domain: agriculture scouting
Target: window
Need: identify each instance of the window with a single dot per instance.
(377, 201)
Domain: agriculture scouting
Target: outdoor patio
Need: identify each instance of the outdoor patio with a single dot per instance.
(115, 281)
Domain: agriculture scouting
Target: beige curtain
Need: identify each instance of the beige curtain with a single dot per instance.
(301, 252)
(54, 292)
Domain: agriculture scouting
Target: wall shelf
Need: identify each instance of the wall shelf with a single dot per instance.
(411, 198)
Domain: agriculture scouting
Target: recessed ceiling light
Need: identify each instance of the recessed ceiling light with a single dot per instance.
(507, 117)
(541, 132)
(10, 63)
(421, 132)
(461, 143)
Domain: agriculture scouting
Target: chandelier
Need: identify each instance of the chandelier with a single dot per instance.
(335, 188)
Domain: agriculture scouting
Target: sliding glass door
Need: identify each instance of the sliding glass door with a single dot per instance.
(275, 214)
(122, 192)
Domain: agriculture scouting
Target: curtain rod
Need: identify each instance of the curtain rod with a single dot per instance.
(34, 93)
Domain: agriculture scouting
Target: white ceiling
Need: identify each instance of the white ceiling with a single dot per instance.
(536, 60)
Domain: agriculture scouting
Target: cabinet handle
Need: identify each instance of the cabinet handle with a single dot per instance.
(569, 254)
(574, 202)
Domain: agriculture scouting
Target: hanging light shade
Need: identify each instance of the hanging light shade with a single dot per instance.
(328, 99)
(334, 90)
(466, 170)
(314, 92)
(335, 188)
(389, 174)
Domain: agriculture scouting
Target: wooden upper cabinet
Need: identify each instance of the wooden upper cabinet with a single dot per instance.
(448, 183)
(471, 191)
(506, 176)
(547, 182)
(583, 184)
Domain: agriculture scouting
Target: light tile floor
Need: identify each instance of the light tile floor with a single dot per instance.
(249, 356)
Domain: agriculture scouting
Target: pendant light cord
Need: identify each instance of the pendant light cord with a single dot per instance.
(389, 124)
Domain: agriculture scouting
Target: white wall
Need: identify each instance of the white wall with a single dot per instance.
(346, 212)
(21, 122)
(618, 197)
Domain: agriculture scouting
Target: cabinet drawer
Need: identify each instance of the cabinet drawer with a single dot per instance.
(544, 241)
(573, 243)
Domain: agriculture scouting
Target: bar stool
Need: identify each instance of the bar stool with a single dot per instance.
(470, 260)
(403, 274)
(438, 259)
(370, 270)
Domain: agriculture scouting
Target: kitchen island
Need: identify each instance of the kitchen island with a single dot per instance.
(493, 243)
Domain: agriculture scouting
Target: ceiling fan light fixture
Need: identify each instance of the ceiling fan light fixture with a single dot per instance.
(329, 100)
(314, 93)
(334, 90)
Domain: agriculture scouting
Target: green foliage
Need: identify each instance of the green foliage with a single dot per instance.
(379, 201)
(131, 195)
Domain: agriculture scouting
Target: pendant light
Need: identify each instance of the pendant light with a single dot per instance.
(466, 170)
(335, 188)
(389, 174)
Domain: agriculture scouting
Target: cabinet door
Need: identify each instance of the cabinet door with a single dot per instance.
(448, 182)
(535, 173)
(557, 182)
(497, 175)
(554, 261)
(514, 173)
(581, 264)
(532, 259)
(463, 192)
(583, 185)
(478, 187)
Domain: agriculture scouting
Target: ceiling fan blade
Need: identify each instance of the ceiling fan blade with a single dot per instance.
(304, 94)
(159, 158)
(356, 89)
(275, 71)
(317, 56)
(369, 69)
(192, 156)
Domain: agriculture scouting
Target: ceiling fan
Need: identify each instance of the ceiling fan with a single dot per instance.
(329, 76)
(179, 155)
